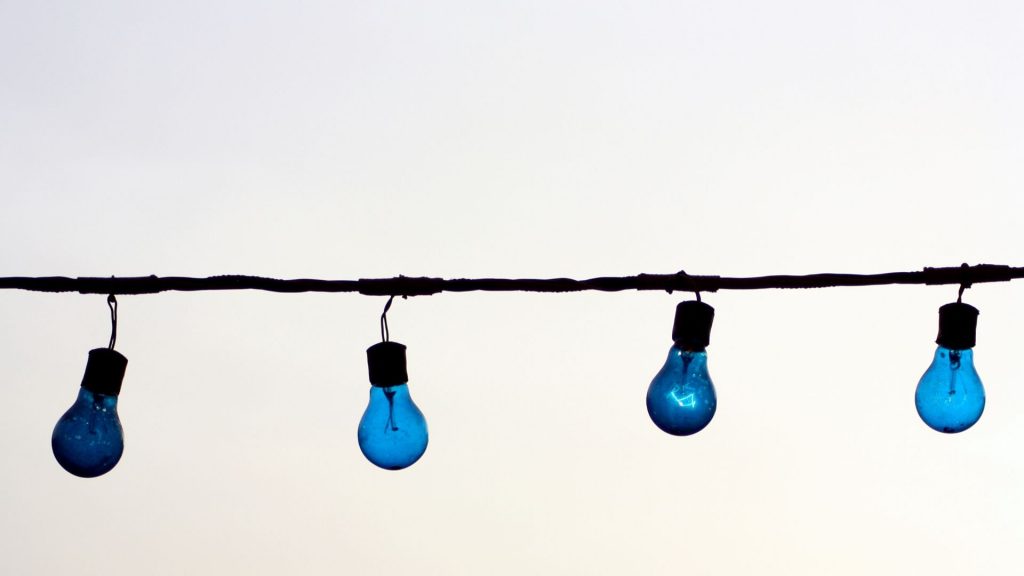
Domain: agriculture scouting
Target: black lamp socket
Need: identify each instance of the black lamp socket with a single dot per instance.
(386, 361)
(104, 372)
(691, 330)
(958, 326)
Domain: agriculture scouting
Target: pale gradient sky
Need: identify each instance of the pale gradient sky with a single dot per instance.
(347, 140)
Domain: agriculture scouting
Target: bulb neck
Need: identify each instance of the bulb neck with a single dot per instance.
(691, 330)
(386, 361)
(104, 372)
(958, 323)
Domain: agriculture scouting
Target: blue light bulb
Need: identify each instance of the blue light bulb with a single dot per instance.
(88, 440)
(950, 397)
(392, 432)
(681, 399)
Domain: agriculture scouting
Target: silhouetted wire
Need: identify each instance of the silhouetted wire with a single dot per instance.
(112, 303)
(964, 284)
(385, 333)
(693, 285)
(405, 286)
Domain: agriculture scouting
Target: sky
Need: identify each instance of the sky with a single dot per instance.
(353, 140)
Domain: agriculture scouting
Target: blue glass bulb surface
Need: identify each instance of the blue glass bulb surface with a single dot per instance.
(392, 431)
(87, 440)
(681, 399)
(950, 397)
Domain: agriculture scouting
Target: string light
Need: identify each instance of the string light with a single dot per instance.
(88, 440)
(681, 399)
(392, 431)
(950, 397)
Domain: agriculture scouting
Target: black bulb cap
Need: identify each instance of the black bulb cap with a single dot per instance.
(104, 372)
(387, 364)
(958, 326)
(691, 330)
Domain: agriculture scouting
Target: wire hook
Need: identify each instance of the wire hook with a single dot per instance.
(112, 303)
(385, 333)
(964, 282)
(693, 284)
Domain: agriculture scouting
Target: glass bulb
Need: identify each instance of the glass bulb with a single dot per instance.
(681, 399)
(88, 440)
(950, 397)
(392, 431)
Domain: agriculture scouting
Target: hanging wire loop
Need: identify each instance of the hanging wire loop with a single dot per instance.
(385, 333)
(965, 283)
(112, 303)
(690, 283)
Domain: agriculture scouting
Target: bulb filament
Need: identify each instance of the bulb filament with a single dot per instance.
(685, 401)
(954, 365)
(390, 395)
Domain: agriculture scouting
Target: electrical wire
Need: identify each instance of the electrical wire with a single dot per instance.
(406, 286)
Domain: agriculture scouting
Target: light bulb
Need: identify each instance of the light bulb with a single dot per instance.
(950, 397)
(392, 431)
(681, 399)
(88, 440)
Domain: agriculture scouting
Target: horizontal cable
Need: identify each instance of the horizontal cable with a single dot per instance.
(408, 286)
